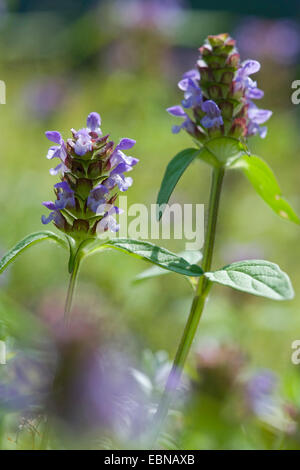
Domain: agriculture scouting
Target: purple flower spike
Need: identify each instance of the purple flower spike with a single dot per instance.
(93, 121)
(213, 115)
(90, 183)
(249, 67)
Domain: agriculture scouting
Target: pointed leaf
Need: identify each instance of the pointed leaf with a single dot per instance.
(28, 241)
(152, 253)
(257, 277)
(174, 170)
(265, 184)
(190, 256)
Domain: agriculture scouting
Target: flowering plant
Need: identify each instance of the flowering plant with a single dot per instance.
(92, 173)
(219, 113)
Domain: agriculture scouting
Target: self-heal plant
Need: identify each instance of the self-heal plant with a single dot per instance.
(219, 113)
(91, 171)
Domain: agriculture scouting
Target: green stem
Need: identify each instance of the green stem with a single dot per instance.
(196, 308)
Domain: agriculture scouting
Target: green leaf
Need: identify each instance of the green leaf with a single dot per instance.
(222, 151)
(152, 253)
(174, 170)
(28, 241)
(265, 184)
(257, 277)
(192, 257)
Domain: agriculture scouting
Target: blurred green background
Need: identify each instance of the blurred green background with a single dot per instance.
(62, 60)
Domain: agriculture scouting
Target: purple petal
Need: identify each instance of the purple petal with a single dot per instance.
(54, 136)
(211, 108)
(258, 116)
(176, 129)
(50, 205)
(82, 146)
(64, 186)
(56, 170)
(47, 220)
(250, 66)
(125, 144)
(93, 121)
(176, 111)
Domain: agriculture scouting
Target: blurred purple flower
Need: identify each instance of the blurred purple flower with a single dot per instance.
(43, 97)
(26, 381)
(278, 40)
(260, 391)
(148, 14)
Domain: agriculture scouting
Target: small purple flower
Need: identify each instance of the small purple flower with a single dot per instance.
(93, 122)
(83, 143)
(96, 176)
(187, 124)
(119, 158)
(57, 151)
(244, 82)
(213, 116)
(65, 195)
(55, 215)
(84, 137)
(252, 92)
(97, 197)
(256, 117)
(123, 182)
(65, 198)
(108, 222)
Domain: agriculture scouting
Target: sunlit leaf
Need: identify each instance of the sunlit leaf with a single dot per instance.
(257, 277)
(265, 184)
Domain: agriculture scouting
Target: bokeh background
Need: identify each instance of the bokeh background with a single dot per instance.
(61, 60)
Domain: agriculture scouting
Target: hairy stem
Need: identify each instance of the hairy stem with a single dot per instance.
(196, 308)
